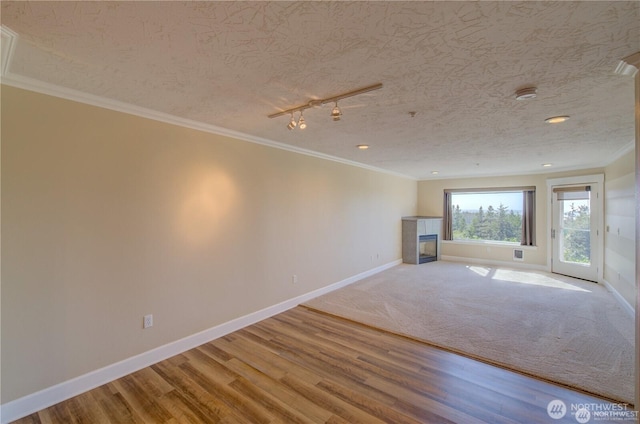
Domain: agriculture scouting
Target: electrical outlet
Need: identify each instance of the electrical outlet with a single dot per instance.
(148, 321)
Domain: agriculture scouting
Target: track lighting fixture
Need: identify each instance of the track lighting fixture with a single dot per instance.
(336, 113)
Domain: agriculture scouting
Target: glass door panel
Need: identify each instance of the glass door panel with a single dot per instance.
(575, 227)
(574, 232)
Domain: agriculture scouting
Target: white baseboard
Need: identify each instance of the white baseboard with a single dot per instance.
(34, 402)
(487, 262)
(621, 300)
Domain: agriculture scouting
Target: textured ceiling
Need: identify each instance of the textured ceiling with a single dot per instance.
(456, 64)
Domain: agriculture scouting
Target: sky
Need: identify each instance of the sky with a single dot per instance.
(473, 201)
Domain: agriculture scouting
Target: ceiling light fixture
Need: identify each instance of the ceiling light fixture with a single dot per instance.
(362, 146)
(557, 119)
(301, 122)
(336, 113)
(527, 93)
(547, 165)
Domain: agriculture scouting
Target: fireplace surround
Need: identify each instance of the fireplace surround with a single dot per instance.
(421, 236)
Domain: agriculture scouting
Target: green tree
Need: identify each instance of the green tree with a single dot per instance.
(491, 224)
(576, 234)
(514, 227)
(476, 227)
(459, 223)
(503, 224)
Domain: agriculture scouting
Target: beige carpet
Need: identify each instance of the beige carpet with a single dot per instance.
(558, 328)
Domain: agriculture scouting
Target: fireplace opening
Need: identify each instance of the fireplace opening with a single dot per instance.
(428, 248)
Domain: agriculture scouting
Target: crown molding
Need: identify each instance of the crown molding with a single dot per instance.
(594, 165)
(38, 86)
(621, 152)
(9, 41)
(629, 65)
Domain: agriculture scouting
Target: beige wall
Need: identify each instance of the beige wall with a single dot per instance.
(107, 217)
(619, 241)
(430, 202)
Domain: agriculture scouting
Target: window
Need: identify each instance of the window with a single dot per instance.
(501, 215)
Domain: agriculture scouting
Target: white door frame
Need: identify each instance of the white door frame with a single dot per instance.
(582, 179)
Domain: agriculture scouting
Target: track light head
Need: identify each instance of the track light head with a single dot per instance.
(292, 123)
(301, 122)
(336, 113)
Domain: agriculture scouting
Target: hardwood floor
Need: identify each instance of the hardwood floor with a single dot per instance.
(302, 366)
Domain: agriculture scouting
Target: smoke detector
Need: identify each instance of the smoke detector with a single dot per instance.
(526, 93)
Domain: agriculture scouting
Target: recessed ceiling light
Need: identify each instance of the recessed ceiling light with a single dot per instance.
(526, 93)
(547, 165)
(362, 146)
(434, 172)
(557, 119)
